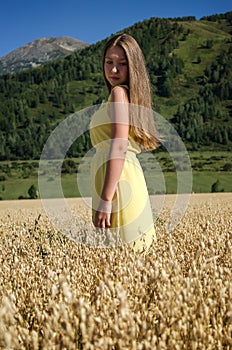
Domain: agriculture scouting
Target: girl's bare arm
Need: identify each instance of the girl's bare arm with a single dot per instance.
(119, 111)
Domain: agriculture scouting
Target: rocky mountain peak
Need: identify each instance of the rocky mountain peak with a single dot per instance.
(39, 52)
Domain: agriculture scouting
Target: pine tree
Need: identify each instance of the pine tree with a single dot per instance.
(32, 192)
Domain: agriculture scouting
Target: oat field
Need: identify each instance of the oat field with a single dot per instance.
(57, 294)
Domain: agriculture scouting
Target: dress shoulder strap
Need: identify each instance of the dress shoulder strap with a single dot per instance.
(124, 86)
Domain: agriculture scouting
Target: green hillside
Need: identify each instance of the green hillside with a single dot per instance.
(189, 63)
(197, 57)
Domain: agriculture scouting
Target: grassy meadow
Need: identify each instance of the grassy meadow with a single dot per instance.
(16, 177)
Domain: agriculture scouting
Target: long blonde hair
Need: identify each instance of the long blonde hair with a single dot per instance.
(142, 126)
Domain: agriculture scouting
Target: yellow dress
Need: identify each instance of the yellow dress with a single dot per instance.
(131, 216)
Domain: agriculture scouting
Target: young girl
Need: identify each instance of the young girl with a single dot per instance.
(119, 130)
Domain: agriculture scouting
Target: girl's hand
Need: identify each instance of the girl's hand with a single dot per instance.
(103, 214)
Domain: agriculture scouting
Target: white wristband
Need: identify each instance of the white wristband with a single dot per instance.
(105, 206)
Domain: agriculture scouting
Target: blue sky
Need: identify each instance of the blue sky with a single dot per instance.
(22, 21)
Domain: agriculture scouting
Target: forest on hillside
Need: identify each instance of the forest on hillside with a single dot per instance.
(198, 99)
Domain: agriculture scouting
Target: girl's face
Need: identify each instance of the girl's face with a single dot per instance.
(116, 66)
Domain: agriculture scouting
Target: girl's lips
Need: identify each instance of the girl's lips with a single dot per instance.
(114, 78)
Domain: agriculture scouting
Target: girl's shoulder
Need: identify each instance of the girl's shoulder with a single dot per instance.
(119, 93)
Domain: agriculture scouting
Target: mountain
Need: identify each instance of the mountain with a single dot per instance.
(39, 52)
(190, 67)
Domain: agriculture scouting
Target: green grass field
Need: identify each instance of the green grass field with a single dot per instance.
(161, 177)
(202, 182)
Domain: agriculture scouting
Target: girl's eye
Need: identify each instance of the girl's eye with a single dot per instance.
(121, 64)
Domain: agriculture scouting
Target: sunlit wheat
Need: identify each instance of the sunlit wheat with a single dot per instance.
(57, 294)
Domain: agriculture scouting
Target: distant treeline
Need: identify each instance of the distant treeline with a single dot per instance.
(218, 17)
(33, 102)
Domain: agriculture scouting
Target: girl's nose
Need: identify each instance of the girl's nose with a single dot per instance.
(114, 69)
